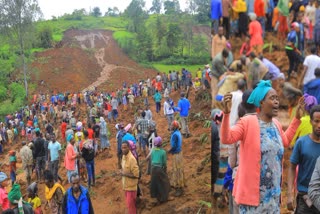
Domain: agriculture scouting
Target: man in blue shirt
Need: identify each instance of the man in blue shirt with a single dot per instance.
(216, 13)
(313, 87)
(54, 154)
(184, 107)
(305, 154)
(178, 181)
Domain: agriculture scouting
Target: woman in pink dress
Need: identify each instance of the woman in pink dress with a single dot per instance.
(255, 32)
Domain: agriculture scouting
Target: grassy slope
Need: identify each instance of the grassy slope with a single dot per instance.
(166, 68)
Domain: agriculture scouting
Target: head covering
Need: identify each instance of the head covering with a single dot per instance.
(23, 143)
(79, 134)
(252, 16)
(3, 177)
(207, 66)
(102, 119)
(281, 76)
(33, 188)
(15, 194)
(127, 127)
(30, 145)
(216, 115)
(132, 148)
(69, 137)
(175, 124)
(294, 24)
(309, 101)
(258, 94)
(301, 8)
(157, 141)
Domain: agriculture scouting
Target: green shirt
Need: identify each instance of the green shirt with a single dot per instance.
(158, 157)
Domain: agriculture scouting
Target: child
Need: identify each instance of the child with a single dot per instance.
(33, 198)
(4, 201)
(12, 165)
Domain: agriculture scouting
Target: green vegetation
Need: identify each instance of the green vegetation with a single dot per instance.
(164, 41)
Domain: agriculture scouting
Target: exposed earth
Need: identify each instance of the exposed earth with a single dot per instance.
(90, 59)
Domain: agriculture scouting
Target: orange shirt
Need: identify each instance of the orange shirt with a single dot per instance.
(259, 8)
(90, 133)
(275, 17)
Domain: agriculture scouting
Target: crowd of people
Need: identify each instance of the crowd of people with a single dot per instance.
(247, 93)
(82, 123)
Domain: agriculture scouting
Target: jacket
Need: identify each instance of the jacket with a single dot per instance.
(84, 206)
(130, 165)
(157, 97)
(175, 142)
(314, 186)
(247, 131)
(313, 88)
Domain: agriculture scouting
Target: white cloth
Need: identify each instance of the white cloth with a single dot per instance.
(236, 100)
(167, 109)
(312, 62)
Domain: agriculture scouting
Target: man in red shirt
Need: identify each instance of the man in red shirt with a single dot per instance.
(90, 131)
(63, 130)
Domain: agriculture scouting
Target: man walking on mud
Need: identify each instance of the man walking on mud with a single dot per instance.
(183, 107)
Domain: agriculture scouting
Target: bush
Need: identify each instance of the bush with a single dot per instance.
(3, 93)
(45, 37)
(17, 92)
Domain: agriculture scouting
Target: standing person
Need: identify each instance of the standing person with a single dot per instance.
(54, 156)
(13, 166)
(121, 132)
(160, 185)
(218, 43)
(168, 111)
(77, 197)
(262, 142)
(241, 8)
(114, 104)
(130, 177)
(54, 193)
(183, 107)
(148, 113)
(157, 99)
(259, 10)
(310, 63)
(70, 159)
(4, 201)
(104, 135)
(216, 13)
(178, 180)
(27, 161)
(293, 53)
(226, 5)
(63, 129)
(142, 125)
(305, 154)
(39, 155)
(256, 33)
(313, 191)
(313, 87)
(88, 154)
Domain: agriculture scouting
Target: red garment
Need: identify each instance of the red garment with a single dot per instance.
(259, 8)
(245, 49)
(90, 133)
(131, 197)
(159, 86)
(63, 130)
(153, 82)
(255, 32)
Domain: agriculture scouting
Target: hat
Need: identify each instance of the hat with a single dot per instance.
(252, 16)
(69, 137)
(207, 66)
(294, 24)
(175, 124)
(127, 127)
(3, 177)
(157, 141)
(15, 194)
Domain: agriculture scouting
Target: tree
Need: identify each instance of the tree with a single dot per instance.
(192, 7)
(112, 12)
(156, 6)
(171, 7)
(16, 21)
(202, 11)
(96, 12)
(173, 36)
(136, 14)
(45, 37)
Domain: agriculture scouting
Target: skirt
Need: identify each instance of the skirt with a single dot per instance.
(178, 171)
(160, 185)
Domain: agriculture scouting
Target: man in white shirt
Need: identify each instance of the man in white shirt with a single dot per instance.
(310, 63)
(168, 111)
